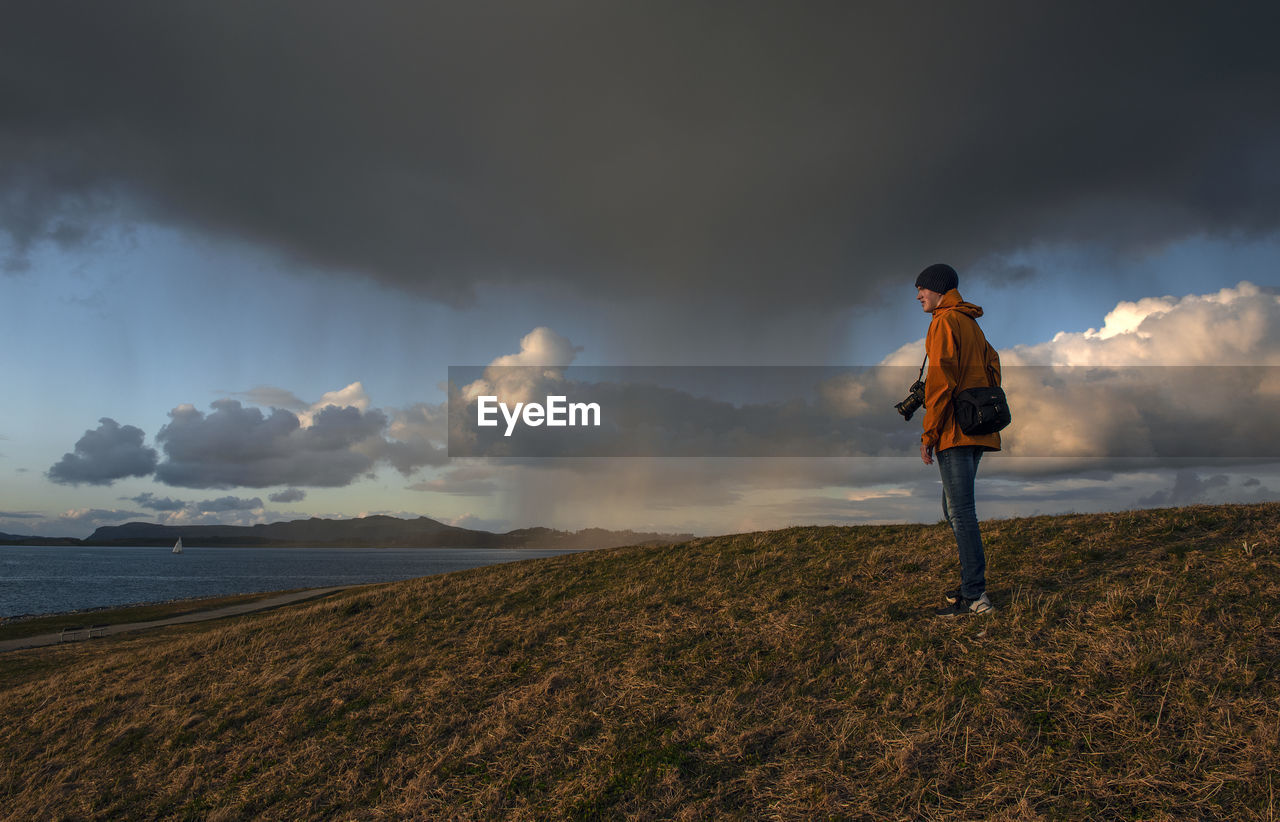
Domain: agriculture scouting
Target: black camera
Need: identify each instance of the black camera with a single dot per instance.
(914, 400)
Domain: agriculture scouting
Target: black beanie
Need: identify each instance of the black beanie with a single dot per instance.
(938, 277)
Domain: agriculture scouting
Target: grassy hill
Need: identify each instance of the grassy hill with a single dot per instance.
(1133, 671)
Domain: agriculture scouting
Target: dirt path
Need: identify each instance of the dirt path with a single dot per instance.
(199, 616)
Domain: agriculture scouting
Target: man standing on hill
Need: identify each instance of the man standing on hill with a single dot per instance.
(959, 358)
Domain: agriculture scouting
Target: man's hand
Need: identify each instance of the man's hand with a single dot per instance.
(926, 453)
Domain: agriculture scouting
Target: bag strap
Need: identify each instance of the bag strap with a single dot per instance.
(991, 383)
(986, 371)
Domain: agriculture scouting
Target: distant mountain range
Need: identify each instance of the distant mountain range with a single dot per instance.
(365, 532)
(16, 539)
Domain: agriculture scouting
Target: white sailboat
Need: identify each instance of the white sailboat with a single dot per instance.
(177, 546)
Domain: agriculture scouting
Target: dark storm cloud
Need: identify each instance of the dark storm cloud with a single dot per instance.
(743, 152)
(237, 446)
(104, 455)
(227, 504)
(151, 502)
(1188, 487)
(288, 495)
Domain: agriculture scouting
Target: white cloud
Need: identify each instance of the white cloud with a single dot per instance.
(510, 378)
(1235, 326)
(353, 396)
(541, 346)
(1165, 377)
(97, 516)
(272, 397)
(869, 494)
(192, 515)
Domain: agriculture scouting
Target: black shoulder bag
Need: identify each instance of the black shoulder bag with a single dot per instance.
(981, 410)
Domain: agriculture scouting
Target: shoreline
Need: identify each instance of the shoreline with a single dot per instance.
(280, 574)
(84, 633)
(148, 603)
(324, 546)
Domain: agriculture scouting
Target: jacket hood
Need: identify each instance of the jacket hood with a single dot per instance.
(952, 301)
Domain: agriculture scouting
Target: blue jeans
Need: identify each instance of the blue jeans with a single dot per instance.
(959, 468)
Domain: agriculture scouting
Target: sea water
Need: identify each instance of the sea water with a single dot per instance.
(54, 579)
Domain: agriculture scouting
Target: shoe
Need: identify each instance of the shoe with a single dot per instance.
(951, 596)
(962, 607)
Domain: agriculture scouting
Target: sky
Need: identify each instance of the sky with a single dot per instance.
(241, 244)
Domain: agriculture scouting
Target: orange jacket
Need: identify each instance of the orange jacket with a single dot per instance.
(959, 358)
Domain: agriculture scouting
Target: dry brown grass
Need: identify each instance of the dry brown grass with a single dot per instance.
(1131, 672)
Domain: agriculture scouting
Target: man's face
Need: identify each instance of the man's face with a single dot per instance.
(928, 299)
